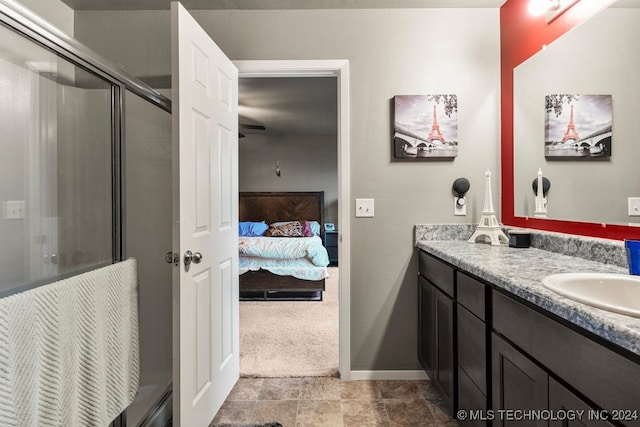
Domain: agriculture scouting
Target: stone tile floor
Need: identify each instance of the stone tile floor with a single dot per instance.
(325, 401)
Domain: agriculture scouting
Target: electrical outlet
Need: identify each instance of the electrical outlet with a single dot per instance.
(634, 206)
(13, 209)
(457, 209)
(364, 208)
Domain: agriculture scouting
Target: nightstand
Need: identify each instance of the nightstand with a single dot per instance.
(331, 243)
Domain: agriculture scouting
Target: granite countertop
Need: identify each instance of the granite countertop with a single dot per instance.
(520, 271)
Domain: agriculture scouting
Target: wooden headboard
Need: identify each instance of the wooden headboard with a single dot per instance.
(282, 206)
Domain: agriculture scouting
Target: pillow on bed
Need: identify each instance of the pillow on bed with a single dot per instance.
(289, 229)
(252, 229)
(315, 227)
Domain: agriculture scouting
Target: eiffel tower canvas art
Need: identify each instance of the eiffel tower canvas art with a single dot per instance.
(425, 127)
(578, 127)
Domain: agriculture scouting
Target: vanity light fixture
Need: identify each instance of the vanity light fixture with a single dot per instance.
(550, 8)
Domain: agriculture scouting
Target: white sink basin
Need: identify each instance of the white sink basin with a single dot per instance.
(619, 293)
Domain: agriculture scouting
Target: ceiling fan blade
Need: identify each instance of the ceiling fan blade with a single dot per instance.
(252, 127)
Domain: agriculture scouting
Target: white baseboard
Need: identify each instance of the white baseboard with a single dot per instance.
(388, 375)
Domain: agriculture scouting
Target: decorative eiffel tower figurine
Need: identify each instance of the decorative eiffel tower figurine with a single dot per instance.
(489, 226)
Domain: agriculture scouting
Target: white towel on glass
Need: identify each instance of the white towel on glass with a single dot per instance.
(69, 351)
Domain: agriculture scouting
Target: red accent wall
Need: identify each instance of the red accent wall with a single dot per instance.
(521, 36)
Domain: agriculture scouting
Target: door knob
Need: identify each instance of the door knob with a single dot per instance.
(190, 257)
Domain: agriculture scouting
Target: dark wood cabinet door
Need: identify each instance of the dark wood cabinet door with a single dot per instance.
(426, 326)
(472, 347)
(436, 339)
(472, 401)
(518, 384)
(446, 365)
(579, 413)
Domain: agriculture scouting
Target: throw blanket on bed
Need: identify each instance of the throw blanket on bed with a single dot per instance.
(285, 248)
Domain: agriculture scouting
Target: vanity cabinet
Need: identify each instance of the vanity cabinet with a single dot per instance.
(549, 352)
(488, 350)
(436, 312)
(453, 335)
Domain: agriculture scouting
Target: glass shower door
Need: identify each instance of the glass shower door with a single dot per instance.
(72, 198)
(147, 237)
(56, 185)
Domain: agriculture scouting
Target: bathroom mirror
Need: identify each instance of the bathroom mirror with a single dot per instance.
(597, 57)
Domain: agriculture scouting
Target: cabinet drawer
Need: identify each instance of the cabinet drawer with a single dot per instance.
(472, 348)
(439, 273)
(472, 294)
(605, 377)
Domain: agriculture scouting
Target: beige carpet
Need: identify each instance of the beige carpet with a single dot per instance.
(291, 338)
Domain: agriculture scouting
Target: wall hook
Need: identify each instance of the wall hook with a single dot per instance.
(277, 168)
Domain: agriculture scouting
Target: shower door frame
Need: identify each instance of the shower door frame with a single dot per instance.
(23, 21)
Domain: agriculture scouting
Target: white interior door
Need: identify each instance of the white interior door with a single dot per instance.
(205, 185)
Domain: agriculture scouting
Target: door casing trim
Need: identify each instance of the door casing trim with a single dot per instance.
(340, 69)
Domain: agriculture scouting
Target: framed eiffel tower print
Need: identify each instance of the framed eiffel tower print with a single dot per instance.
(425, 127)
(578, 127)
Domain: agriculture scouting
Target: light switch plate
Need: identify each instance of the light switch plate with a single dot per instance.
(364, 208)
(634, 206)
(13, 209)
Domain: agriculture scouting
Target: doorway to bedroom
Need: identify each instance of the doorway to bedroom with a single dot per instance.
(289, 143)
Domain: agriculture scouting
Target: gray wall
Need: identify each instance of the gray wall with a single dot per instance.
(391, 52)
(307, 163)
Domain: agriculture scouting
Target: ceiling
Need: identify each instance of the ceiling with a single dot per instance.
(289, 105)
(278, 4)
(296, 106)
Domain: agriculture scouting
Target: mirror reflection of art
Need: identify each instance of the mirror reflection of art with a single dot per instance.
(425, 127)
(578, 127)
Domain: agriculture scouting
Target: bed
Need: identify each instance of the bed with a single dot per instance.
(274, 279)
